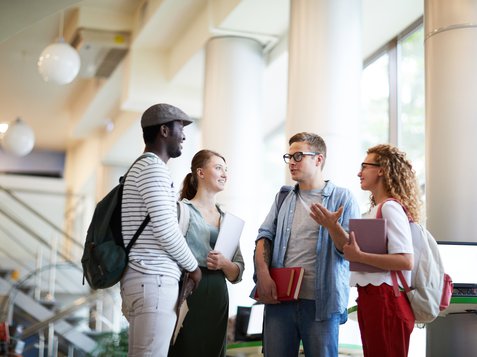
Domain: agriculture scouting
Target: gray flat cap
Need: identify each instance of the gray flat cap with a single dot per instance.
(163, 113)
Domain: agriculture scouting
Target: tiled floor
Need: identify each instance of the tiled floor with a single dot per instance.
(253, 349)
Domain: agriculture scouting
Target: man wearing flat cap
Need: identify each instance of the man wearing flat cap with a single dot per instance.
(149, 286)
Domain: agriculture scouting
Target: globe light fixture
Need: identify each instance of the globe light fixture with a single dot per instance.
(19, 138)
(59, 63)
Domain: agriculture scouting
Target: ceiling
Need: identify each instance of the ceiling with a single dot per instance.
(164, 62)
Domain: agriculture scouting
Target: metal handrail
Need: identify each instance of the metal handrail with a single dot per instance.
(36, 236)
(77, 304)
(42, 217)
(16, 219)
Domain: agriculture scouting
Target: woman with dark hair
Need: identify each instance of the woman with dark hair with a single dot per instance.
(385, 320)
(204, 329)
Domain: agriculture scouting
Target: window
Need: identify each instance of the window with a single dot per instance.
(393, 97)
(411, 99)
(375, 99)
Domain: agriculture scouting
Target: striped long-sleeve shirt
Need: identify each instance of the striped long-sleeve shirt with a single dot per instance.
(161, 248)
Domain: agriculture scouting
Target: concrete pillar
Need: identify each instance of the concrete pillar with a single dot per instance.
(325, 64)
(451, 167)
(231, 126)
(451, 122)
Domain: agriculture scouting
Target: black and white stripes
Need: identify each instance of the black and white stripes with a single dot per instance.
(161, 246)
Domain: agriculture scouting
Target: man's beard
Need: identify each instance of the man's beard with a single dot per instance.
(174, 152)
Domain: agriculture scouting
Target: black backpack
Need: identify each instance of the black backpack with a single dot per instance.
(104, 256)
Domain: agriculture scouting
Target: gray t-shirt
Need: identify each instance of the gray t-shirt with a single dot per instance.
(301, 250)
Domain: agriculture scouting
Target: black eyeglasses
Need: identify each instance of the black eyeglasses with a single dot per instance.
(298, 156)
(364, 164)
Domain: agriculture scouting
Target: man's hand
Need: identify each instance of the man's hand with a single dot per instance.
(329, 220)
(196, 275)
(325, 217)
(266, 289)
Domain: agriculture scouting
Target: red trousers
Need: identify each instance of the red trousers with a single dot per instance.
(385, 321)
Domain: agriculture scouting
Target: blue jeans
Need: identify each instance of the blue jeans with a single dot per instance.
(287, 323)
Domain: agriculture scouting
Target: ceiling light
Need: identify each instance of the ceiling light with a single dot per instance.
(19, 138)
(59, 62)
(3, 128)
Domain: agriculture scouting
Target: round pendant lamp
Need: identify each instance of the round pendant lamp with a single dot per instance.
(59, 62)
(19, 138)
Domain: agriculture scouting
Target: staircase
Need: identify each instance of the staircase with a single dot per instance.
(45, 316)
(41, 279)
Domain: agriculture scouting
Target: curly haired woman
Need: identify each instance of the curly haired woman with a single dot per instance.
(385, 320)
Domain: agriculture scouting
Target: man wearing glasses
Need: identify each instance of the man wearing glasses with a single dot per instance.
(290, 237)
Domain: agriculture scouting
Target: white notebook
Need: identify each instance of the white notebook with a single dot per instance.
(229, 235)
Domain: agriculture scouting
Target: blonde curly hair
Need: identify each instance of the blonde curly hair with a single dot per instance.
(399, 178)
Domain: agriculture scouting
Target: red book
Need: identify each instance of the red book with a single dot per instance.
(288, 281)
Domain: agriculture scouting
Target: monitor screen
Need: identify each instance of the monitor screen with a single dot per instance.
(460, 261)
(248, 324)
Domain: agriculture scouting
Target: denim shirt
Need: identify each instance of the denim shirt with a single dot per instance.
(332, 270)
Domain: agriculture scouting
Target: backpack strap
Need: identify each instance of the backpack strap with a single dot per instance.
(183, 217)
(282, 194)
(122, 179)
(144, 223)
(379, 213)
(395, 274)
(138, 233)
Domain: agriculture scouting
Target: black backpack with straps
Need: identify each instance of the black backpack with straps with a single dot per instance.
(104, 256)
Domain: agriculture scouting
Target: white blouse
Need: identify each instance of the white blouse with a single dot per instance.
(399, 241)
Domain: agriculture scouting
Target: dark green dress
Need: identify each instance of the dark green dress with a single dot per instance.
(204, 331)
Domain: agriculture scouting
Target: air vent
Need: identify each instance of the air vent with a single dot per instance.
(100, 51)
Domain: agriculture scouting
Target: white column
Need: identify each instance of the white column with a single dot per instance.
(325, 64)
(451, 167)
(231, 126)
(451, 122)
(232, 101)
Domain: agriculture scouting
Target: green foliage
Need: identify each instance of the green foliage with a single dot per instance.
(111, 344)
